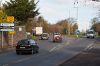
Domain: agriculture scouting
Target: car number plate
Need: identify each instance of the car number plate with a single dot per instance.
(22, 47)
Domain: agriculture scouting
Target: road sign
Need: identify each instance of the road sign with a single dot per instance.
(10, 19)
(11, 32)
(20, 29)
(6, 24)
(7, 29)
(77, 32)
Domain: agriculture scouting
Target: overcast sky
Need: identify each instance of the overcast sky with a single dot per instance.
(55, 10)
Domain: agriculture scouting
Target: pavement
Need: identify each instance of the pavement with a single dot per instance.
(89, 57)
(8, 49)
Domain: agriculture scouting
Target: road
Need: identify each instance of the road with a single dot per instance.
(50, 54)
(89, 57)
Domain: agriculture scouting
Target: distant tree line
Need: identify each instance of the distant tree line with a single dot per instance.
(62, 26)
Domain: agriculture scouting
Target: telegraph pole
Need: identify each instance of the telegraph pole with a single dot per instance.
(69, 24)
(76, 2)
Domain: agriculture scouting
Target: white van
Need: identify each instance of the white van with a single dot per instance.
(90, 34)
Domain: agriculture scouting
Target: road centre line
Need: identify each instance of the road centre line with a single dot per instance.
(90, 46)
(52, 49)
(59, 46)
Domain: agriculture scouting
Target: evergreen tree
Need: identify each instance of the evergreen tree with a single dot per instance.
(21, 9)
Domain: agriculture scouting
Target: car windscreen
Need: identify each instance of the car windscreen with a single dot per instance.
(32, 42)
(91, 32)
(44, 35)
(23, 42)
(57, 34)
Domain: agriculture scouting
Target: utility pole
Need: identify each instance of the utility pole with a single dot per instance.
(76, 2)
(69, 24)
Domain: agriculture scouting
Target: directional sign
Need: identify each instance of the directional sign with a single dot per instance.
(7, 29)
(6, 24)
(10, 19)
(11, 32)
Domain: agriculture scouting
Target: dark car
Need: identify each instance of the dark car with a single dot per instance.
(44, 36)
(57, 37)
(26, 46)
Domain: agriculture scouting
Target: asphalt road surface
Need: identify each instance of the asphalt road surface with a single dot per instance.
(50, 54)
(89, 57)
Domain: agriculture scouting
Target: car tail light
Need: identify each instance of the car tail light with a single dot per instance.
(28, 46)
(16, 46)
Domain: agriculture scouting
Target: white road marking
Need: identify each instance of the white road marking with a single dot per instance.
(90, 46)
(52, 49)
(59, 46)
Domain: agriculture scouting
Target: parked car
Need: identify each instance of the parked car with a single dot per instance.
(27, 45)
(57, 37)
(44, 36)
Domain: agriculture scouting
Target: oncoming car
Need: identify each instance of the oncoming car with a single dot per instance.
(91, 34)
(26, 46)
(57, 37)
(44, 36)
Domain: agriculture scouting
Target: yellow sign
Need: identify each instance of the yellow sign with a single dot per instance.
(11, 32)
(10, 18)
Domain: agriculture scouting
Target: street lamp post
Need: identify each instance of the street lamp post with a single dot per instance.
(76, 6)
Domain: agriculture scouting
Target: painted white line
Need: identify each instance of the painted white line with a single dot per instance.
(52, 49)
(90, 46)
(59, 46)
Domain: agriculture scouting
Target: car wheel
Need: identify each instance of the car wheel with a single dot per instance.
(37, 51)
(87, 37)
(53, 41)
(93, 37)
(17, 53)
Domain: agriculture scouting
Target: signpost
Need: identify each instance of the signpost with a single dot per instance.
(7, 29)
(7, 26)
(12, 32)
